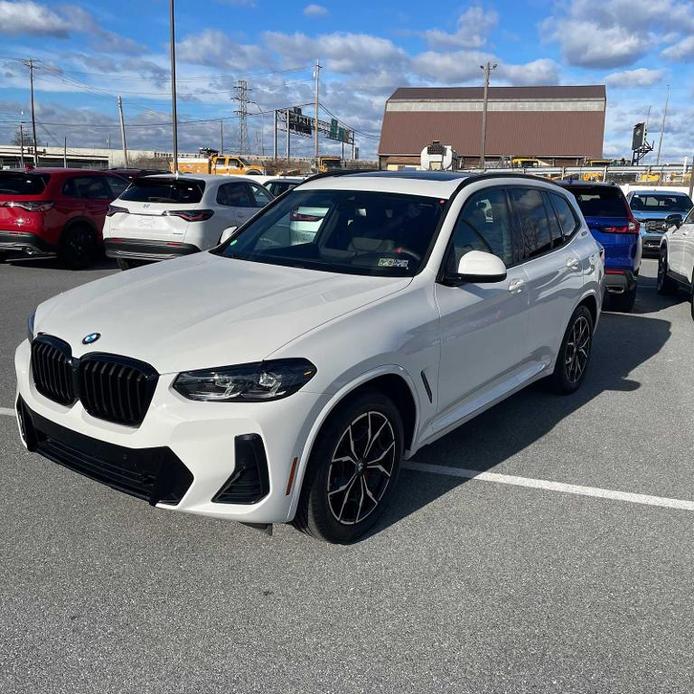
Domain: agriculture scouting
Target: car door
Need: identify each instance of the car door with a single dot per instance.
(237, 202)
(554, 268)
(685, 245)
(97, 196)
(484, 340)
(117, 185)
(71, 202)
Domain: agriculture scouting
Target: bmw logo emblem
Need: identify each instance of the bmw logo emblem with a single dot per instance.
(91, 338)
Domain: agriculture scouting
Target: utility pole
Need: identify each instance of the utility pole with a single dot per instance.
(288, 138)
(30, 64)
(65, 153)
(488, 67)
(221, 136)
(662, 127)
(241, 98)
(122, 132)
(316, 74)
(21, 143)
(174, 115)
(274, 139)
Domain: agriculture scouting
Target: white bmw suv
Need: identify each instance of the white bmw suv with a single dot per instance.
(271, 380)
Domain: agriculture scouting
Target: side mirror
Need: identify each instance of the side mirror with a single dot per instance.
(227, 234)
(479, 266)
(675, 220)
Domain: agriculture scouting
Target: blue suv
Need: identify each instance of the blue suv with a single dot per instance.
(613, 225)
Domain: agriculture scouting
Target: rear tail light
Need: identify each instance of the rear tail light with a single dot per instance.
(114, 209)
(190, 215)
(302, 217)
(614, 272)
(618, 230)
(30, 206)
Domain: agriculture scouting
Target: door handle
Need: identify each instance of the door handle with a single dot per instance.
(516, 286)
(573, 264)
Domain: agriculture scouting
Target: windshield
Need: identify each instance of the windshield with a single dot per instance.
(20, 183)
(356, 232)
(661, 203)
(181, 190)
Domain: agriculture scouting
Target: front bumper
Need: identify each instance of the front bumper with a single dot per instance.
(144, 249)
(187, 440)
(23, 242)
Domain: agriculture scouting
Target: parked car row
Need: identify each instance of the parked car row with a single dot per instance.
(284, 375)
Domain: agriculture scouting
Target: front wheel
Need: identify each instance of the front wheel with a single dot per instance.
(353, 470)
(664, 284)
(574, 353)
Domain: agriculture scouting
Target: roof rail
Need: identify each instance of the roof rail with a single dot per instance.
(338, 172)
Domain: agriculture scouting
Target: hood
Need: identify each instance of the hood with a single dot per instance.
(205, 310)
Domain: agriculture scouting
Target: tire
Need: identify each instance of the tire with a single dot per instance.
(665, 285)
(572, 363)
(78, 247)
(624, 303)
(341, 486)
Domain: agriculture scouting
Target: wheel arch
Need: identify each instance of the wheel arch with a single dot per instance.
(394, 382)
(79, 221)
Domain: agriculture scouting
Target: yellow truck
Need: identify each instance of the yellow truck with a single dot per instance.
(326, 164)
(215, 163)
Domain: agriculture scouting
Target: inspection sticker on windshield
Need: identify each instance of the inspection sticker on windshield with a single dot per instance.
(393, 262)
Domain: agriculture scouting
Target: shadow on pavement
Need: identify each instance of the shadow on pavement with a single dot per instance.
(51, 262)
(513, 425)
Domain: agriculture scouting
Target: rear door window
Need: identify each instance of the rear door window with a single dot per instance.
(168, 190)
(565, 214)
(601, 202)
(117, 185)
(236, 195)
(260, 195)
(534, 232)
(16, 183)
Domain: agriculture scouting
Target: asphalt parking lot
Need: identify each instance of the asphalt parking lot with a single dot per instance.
(566, 567)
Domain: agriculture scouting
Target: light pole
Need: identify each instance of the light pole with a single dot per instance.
(488, 67)
(174, 117)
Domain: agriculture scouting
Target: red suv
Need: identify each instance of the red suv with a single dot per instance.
(61, 211)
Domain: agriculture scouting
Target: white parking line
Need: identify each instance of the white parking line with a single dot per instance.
(7, 411)
(548, 485)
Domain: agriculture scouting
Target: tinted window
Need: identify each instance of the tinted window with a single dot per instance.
(279, 187)
(565, 214)
(660, 202)
(87, 187)
(358, 232)
(235, 195)
(117, 185)
(534, 236)
(483, 225)
(175, 190)
(13, 183)
(261, 196)
(600, 201)
(221, 163)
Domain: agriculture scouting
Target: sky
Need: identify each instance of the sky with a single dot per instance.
(89, 52)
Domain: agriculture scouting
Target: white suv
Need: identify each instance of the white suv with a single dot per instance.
(676, 259)
(161, 217)
(270, 381)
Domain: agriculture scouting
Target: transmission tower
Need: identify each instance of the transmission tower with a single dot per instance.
(241, 98)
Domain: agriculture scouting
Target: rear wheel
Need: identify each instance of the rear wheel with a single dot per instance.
(353, 470)
(665, 284)
(574, 353)
(623, 303)
(78, 247)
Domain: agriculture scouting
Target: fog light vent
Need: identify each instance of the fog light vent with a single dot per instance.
(249, 482)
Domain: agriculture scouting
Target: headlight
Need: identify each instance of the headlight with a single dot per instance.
(30, 325)
(268, 380)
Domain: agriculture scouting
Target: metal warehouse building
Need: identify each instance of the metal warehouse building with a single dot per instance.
(563, 126)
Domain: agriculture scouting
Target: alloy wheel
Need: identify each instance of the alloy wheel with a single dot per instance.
(577, 349)
(361, 467)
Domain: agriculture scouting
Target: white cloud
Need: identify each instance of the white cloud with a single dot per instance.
(641, 77)
(27, 17)
(681, 51)
(616, 33)
(213, 47)
(473, 28)
(315, 11)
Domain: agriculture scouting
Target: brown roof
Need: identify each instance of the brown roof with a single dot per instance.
(590, 91)
(509, 133)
